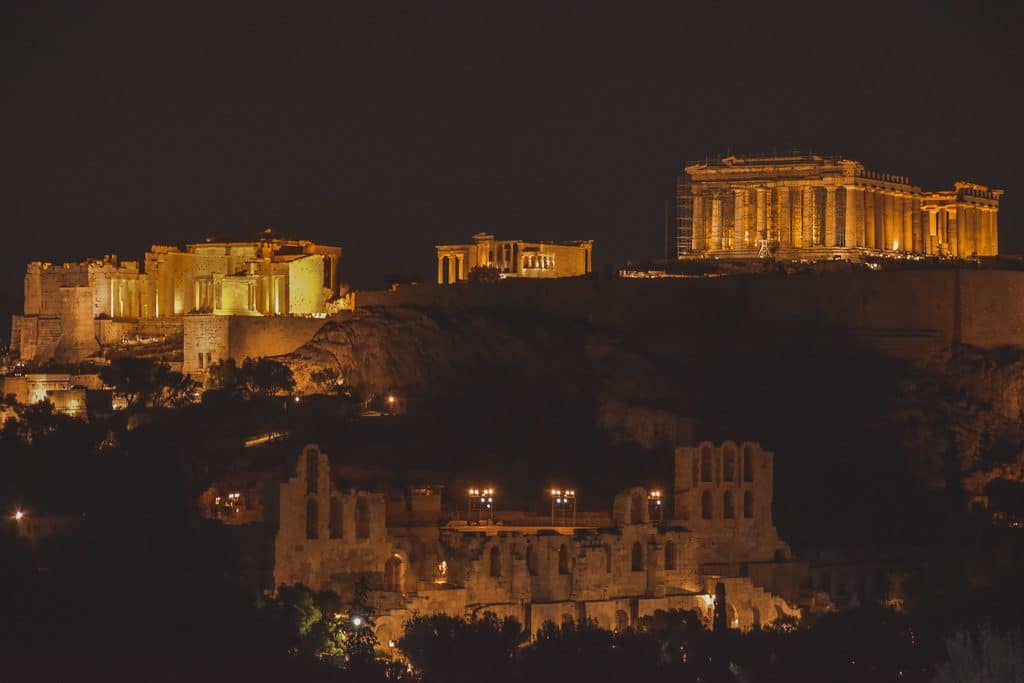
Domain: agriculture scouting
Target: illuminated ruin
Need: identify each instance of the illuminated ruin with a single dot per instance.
(612, 568)
(513, 258)
(819, 207)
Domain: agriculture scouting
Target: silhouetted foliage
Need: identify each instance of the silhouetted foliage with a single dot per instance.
(148, 384)
(446, 649)
(255, 377)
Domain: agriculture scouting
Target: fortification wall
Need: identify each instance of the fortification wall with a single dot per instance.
(910, 314)
(269, 336)
(205, 342)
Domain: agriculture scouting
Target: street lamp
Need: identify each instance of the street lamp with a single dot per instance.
(655, 506)
(563, 507)
(480, 501)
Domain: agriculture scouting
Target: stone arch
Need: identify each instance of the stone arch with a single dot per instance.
(637, 505)
(394, 574)
(729, 462)
(728, 506)
(748, 504)
(312, 523)
(637, 557)
(362, 514)
(670, 555)
(563, 559)
(495, 562)
(748, 462)
(755, 617)
(706, 464)
(706, 510)
(335, 518)
(630, 507)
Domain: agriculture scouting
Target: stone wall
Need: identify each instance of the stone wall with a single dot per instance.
(306, 293)
(270, 335)
(205, 342)
(910, 314)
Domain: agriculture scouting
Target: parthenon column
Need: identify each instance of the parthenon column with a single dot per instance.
(830, 216)
(796, 197)
(782, 216)
(697, 231)
(854, 204)
(869, 219)
(716, 223)
(740, 237)
(906, 223)
(451, 269)
(440, 269)
(762, 213)
(952, 229)
(891, 238)
(916, 226)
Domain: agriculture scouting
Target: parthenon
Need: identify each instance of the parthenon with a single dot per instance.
(820, 207)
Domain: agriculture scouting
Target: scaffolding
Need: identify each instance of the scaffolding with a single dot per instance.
(684, 217)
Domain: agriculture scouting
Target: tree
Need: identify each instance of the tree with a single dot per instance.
(444, 648)
(327, 380)
(484, 274)
(148, 384)
(988, 657)
(256, 377)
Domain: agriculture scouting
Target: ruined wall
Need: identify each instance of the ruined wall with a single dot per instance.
(269, 336)
(78, 333)
(205, 342)
(306, 294)
(910, 314)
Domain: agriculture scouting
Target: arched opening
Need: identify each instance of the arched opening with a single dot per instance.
(335, 518)
(748, 463)
(670, 555)
(531, 560)
(755, 618)
(607, 558)
(636, 508)
(638, 557)
(748, 504)
(394, 575)
(362, 518)
(621, 620)
(495, 562)
(729, 464)
(705, 505)
(705, 464)
(311, 519)
(728, 509)
(563, 560)
(311, 471)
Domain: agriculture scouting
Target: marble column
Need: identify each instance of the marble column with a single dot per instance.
(807, 212)
(797, 219)
(771, 230)
(697, 240)
(782, 214)
(440, 269)
(830, 216)
(854, 217)
(953, 230)
(869, 219)
(907, 224)
(993, 235)
(451, 269)
(716, 223)
(740, 237)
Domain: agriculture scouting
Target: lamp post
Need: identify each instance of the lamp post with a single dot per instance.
(656, 506)
(480, 502)
(563, 507)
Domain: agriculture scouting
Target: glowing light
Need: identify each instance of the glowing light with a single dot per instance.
(298, 398)
(391, 400)
(708, 600)
(357, 621)
(391, 643)
(19, 515)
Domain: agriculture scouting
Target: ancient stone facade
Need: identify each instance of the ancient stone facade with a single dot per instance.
(73, 309)
(630, 566)
(816, 207)
(513, 258)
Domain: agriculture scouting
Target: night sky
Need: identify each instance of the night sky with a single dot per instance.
(388, 128)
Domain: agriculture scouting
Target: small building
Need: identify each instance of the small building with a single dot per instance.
(513, 258)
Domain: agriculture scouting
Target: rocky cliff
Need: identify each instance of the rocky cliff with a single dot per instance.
(851, 427)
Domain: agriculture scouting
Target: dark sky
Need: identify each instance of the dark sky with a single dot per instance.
(388, 128)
